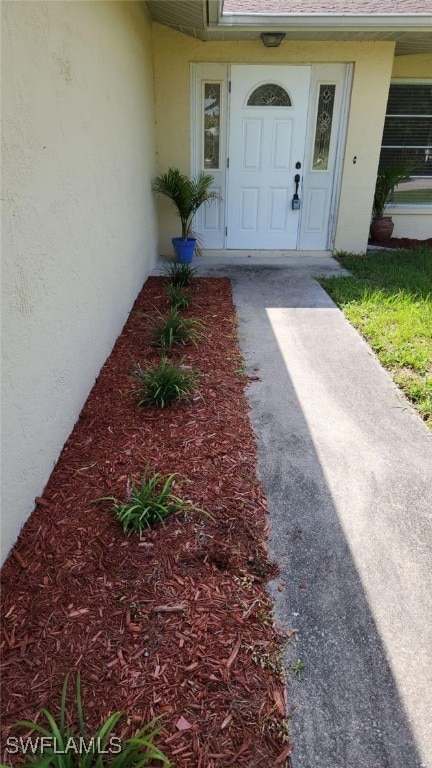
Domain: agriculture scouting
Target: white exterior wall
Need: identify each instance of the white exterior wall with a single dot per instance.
(78, 232)
(411, 221)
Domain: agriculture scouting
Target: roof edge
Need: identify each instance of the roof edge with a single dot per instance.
(378, 21)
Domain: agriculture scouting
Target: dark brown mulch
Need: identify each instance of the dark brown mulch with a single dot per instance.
(403, 243)
(177, 624)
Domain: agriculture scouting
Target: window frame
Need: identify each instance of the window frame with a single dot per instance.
(204, 82)
(264, 85)
(323, 84)
(426, 206)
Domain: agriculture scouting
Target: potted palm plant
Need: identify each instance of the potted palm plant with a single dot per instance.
(188, 195)
(388, 178)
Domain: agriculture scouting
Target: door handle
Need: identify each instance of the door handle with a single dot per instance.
(296, 200)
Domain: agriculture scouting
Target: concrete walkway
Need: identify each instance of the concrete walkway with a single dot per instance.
(347, 470)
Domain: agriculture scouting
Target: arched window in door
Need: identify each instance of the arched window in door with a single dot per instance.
(269, 95)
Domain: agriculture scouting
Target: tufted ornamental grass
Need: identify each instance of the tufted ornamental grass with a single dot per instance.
(178, 296)
(164, 382)
(173, 329)
(180, 275)
(148, 502)
(60, 745)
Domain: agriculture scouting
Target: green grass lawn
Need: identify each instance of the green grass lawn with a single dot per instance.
(389, 300)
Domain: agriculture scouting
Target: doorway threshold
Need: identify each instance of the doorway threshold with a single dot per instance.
(262, 258)
(313, 262)
(249, 258)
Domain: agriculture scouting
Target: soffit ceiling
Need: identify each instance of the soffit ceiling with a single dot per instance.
(356, 7)
(201, 19)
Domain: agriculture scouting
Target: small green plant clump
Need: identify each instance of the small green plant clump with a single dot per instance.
(164, 382)
(298, 668)
(179, 298)
(180, 275)
(148, 503)
(268, 657)
(174, 329)
(63, 746)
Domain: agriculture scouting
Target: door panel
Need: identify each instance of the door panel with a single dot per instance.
(278, 207)
(281, 150)
(251, 145)
(249, 209)
(315, 209)
(266, 141)
(211, 213)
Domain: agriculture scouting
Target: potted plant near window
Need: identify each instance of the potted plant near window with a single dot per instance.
(188, 195)
(387, 179)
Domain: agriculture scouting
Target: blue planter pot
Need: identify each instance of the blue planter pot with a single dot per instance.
(184, 249)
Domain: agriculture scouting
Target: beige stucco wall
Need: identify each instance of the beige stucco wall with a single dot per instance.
(78, 233)
(411, 220)
(173, 53)
(416, 66)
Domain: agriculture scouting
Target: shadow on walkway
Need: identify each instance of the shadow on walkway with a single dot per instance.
(350, 508)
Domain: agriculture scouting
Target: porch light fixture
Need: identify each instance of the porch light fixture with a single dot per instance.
(272, 39)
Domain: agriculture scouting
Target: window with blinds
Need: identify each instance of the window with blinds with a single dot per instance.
(407, 139)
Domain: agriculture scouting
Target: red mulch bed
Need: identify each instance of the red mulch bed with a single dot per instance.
(403, 242)
(176, 624)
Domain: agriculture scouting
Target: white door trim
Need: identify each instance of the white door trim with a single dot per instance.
(209, 222)
(216, 238)
(340, 153)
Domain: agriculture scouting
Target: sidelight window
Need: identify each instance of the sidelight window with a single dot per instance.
(212, 123)
(323, 127)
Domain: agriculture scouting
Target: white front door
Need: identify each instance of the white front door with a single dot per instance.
(268, 119)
